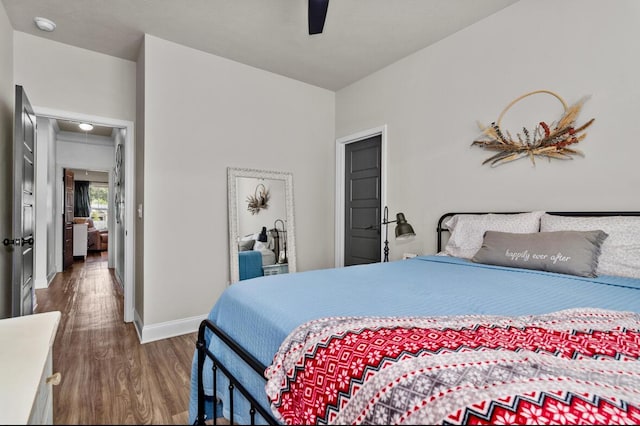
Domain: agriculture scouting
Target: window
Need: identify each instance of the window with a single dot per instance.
(99, 196)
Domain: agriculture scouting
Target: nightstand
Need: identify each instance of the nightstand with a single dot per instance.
(278, 268)
(26, 394)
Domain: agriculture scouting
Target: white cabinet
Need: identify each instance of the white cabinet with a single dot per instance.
(80, 240)
(26, 365)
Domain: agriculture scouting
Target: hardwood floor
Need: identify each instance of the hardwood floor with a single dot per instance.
(108, 377)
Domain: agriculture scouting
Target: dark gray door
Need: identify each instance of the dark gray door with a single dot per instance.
(362, 201)
(23, 209)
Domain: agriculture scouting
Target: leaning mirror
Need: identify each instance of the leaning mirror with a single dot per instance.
(261, 226)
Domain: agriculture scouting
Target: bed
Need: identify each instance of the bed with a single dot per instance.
(256, 319)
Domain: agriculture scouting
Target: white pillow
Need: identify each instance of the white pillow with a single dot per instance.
(620, 252)
(262, 246)
(467, 230)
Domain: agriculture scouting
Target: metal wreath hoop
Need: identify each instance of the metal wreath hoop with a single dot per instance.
(519, 98)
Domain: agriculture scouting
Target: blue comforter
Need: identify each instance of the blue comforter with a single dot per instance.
(261, 312)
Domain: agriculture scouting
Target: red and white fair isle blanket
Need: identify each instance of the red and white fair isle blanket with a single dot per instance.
(578, 366)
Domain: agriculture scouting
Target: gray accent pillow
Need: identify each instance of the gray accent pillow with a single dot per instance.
(565, 252)
(246, 245)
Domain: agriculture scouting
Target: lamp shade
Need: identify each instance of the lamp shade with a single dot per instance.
(403, 229)
(263, 235)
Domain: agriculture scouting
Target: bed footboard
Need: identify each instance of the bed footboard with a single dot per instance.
(234, 384)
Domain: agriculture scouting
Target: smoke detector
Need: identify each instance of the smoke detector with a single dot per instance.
(44, 24)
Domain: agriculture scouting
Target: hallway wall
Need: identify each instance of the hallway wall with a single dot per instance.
(6, 157)
(45, 190)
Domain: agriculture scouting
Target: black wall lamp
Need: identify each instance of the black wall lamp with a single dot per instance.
(404, 231)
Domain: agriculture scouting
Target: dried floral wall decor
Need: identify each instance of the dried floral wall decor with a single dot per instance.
(259, 200)
(554, 140)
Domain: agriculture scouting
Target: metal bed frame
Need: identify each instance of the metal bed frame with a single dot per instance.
(259, 368)
(256, 365)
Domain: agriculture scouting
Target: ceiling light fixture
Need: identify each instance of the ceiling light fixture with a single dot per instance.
(85, 126)
(44, 24)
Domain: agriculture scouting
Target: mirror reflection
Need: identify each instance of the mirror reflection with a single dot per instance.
(261, 236)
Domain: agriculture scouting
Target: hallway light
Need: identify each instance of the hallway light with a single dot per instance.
(44, 24)
(85, 126)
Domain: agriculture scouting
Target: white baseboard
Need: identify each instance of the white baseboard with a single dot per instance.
(44, 282)
(164, 330)
(137, 323)
(118, 279)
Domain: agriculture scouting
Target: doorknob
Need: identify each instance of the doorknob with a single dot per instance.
(18, 241)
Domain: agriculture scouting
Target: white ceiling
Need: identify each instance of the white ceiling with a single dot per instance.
(360, 36)
(72, 126)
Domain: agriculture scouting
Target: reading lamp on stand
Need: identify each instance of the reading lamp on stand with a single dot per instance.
(404, 231)
(282, 250)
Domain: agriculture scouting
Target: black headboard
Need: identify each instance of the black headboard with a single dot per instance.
(440, 229)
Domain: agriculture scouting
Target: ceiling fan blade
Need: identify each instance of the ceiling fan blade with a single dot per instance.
(317, 14)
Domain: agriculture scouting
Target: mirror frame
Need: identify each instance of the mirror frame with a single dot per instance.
(287, 177)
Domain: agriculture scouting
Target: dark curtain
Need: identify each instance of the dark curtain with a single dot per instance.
(82, 203)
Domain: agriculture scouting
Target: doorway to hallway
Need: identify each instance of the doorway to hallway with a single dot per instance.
(78, 151)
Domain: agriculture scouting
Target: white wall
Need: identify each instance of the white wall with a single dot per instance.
(45, 213)
(67, 78)
(204, 113)
(432, 99)
(6, 160)
(80, 155)
(141, 71)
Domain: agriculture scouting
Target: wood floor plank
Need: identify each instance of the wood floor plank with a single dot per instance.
(108, 377)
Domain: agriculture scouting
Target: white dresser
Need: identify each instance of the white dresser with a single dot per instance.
(80, 239)
(26, 364)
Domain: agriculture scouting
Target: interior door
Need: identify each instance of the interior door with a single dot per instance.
(67, 220)
(363, 164)
(24, 140)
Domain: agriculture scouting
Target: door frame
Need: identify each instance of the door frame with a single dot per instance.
(341, 144)
(129, 185)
